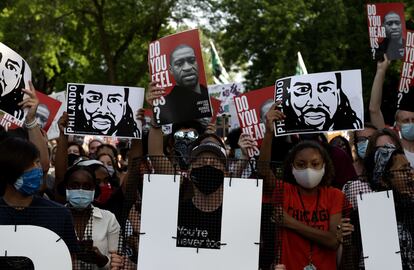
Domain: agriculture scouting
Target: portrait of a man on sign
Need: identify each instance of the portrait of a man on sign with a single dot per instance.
(188, 97)
(319, 102)
(393, 44)
(387, 31)
(176, 64)
(103, 110)
(14, 76)
(42, 115)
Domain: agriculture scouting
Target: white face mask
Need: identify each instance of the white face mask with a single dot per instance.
(308, 178)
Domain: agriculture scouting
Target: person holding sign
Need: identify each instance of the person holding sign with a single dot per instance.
(404, 116)
(311, 214)
(199, 218)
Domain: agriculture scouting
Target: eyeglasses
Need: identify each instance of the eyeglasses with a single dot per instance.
(191, 135)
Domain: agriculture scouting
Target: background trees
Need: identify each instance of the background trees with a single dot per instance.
(101, 41)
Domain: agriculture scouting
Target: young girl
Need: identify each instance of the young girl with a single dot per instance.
(97, 230)
(311, 210)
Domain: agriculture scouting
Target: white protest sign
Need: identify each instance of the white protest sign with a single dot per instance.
(43, 247)
(240, 228)
(379, 231)
(319, 102)
(104, 110)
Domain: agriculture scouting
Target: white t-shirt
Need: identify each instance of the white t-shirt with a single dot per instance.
(410, 157)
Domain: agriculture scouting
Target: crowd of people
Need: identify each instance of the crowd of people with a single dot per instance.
(91, 197)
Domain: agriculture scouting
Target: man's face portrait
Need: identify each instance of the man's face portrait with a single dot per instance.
(103, 109)
(314, 102)
(392, 24)
(11, 70)
(42, 115)
(183, 67)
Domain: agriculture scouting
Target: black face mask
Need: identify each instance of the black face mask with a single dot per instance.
(207, 179)
(182, 149)
(72, 158)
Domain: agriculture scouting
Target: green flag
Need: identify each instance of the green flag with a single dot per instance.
(220, 75)
(300, 66)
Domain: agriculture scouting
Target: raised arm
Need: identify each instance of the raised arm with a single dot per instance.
(155, 136)
(135, 158)
(266, 149)
(375, 112)
(245, 142)
(61, 159)
(35, 133)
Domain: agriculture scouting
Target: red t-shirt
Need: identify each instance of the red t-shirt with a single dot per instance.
(296, 248)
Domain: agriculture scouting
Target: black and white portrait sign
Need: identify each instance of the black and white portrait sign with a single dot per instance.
(15, 74)
(319, 102)
(104, 110)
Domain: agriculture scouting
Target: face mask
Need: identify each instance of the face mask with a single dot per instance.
(29, 182)
(407, 131)
(308, 178)
(105, 194)
(207, 179)
(80, 198)
(362, 148)
(237, 153)
(72, 158)
(111, 170)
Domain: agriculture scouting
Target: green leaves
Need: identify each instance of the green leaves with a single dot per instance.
(93, 41)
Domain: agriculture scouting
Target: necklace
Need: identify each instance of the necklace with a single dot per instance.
(310, 265)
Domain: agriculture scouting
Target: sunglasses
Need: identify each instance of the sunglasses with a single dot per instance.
(191, 135)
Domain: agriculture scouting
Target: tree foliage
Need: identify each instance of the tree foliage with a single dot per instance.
(102, 41)
(331, 35)
(93, 41)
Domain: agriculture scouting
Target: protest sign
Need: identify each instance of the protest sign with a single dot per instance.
(381, 252)
(169, 244)
(47, 110)
(15, 74)
(104, 110)
(251, 110)
(225, 93)
(215, 106)
(176, 63)
(318, 102)
(386, 28)
(407, 75)
(53, 131)
(42, 246)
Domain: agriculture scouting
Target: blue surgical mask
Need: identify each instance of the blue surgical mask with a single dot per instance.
(80, 198)
(407, 131)
(238, 153)
(362, 148)
(110, 170)
(29, 182)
